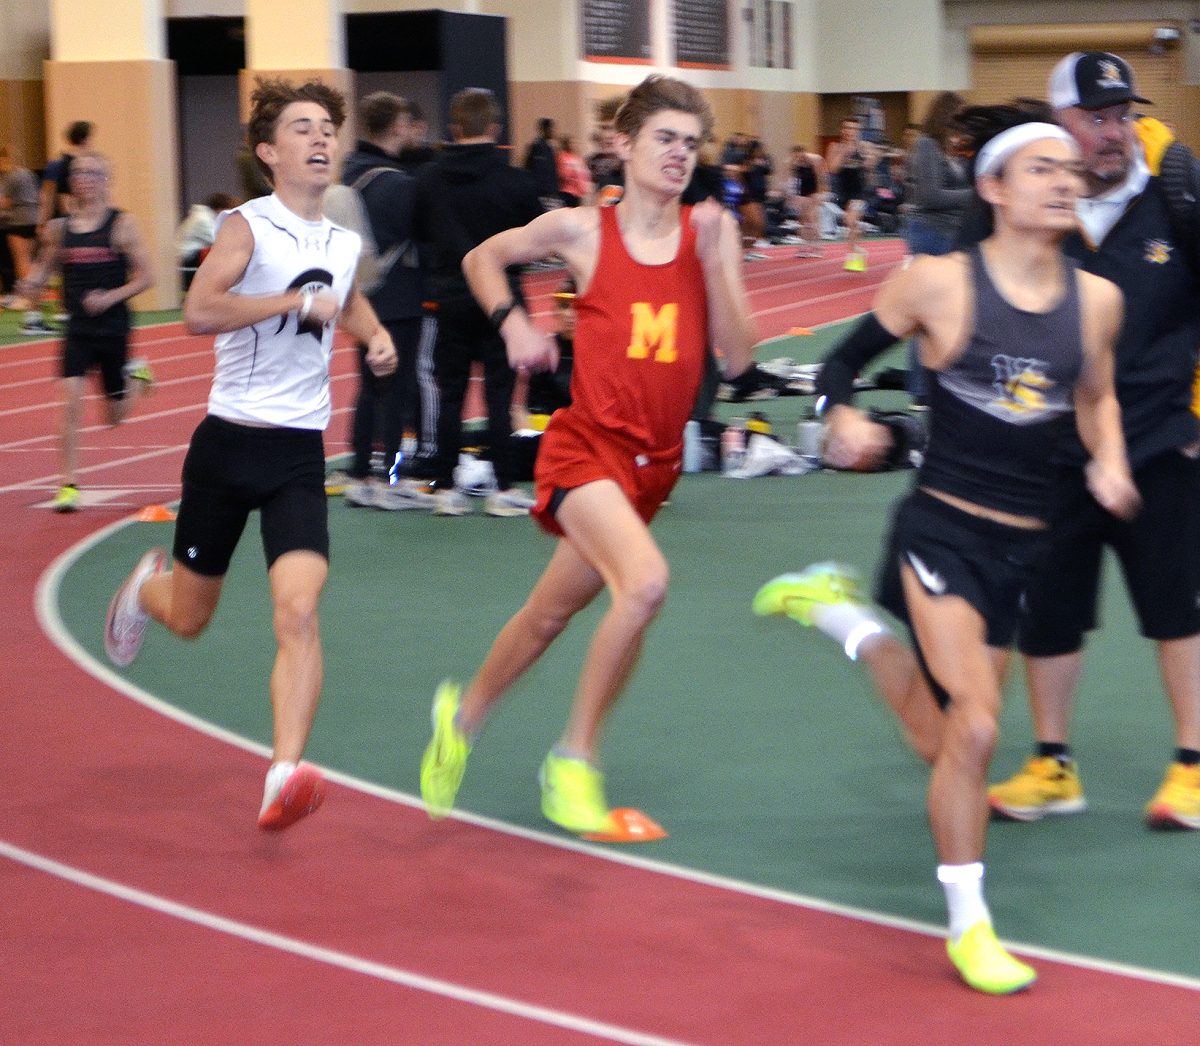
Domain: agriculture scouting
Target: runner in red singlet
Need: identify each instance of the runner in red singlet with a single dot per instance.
(658, 284)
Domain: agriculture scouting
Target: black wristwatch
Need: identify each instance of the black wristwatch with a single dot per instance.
(500, 313)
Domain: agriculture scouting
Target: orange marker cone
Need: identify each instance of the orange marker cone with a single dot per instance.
(626, 825)
(156, 514)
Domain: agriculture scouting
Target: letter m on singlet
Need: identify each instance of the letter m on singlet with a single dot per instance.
(653, 330)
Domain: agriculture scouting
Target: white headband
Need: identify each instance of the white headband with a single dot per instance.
(993, 155)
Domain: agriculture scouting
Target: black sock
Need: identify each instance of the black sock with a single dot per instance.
(1187, 756)
(1059, 750)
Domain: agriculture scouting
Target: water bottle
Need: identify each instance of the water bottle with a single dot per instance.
(691, 447)
(809, 437)
(733, 445)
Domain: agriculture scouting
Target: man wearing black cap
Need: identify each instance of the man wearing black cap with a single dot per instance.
(1130, 234)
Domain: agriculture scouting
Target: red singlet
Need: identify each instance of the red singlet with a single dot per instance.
(641, 335)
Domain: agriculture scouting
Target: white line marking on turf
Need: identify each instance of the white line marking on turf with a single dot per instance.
(331, 957)
(46, 608)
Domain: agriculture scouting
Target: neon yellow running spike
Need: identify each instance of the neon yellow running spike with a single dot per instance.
(445, 758)
(68, 499)
(796, 594)
(983, 963)
(573, 794)
(856, 262)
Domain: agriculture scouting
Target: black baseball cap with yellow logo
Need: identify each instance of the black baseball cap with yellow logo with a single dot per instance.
(1092, 80)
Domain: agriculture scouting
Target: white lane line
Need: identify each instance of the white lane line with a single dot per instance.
(331, 957)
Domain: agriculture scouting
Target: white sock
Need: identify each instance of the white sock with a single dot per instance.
(963, 884)
(276, 778)
(849, 624)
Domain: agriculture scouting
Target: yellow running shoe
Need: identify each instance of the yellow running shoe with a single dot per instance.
(796, 594)
(856, 262)
(983, 963)
(1177, 802)
(573, 794)
(1043, 786)
(445, 758)
(67, 499)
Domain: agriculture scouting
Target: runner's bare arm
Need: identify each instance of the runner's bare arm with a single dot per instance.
(211, 308)
(730, 326)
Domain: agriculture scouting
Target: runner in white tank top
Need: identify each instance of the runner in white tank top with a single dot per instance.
(276, 371)
(278, 277)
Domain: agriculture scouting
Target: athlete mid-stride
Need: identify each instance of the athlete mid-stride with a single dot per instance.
(658, 283)
(1018, 344)
(278, 277)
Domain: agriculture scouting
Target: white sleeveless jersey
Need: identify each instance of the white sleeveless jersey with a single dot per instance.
(276, 372)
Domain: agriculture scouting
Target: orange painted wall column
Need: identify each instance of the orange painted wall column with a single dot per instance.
(297, 41)
(108, 65)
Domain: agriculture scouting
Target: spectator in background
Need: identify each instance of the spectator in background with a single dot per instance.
(938, 187)
(888, 194)
(197, 231)
(18, 220)
(384, 401)
(756, 171)
(604, 165)
(549, 390)
(938, 193)
(55, 197)
(542, 163)
(467, 195)
(417, 152)
(573, 177)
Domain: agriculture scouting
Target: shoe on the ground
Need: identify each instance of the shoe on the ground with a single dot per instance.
(573, 794)
(360, 494)
(138, 369)
(35, 325)
(507, 503)
(399, 498)
(755, 256)
(125, 625)
(856, 262)
(68, 499)
(795, 595)
(1176, 804)
(291, 792)
(451, 502)
(1044, 785)
(984, 964)
(445, 758)
(415, 490)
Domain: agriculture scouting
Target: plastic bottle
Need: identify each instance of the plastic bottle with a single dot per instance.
(733, 445)
(691, 447)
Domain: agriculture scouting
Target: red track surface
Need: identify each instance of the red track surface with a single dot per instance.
(104, 785)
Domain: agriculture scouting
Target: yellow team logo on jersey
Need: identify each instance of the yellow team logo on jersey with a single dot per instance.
(1158, 252)
(1021, 384)
(653, 331)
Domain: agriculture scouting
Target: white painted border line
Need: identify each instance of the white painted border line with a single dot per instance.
(331, 957)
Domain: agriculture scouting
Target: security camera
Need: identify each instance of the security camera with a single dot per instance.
(1166, 34)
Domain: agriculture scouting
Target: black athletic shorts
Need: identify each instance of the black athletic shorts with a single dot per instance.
(108, 353)
(955, 553)
(233, 469)
(1159, 552)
